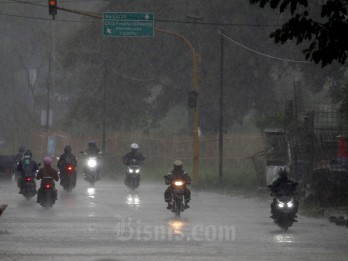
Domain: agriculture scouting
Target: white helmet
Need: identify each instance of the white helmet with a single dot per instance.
(134, 146)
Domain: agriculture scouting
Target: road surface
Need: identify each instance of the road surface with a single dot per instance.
(110, 223)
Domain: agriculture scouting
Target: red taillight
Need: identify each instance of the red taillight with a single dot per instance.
(28, 179)
(48, 186)
(70, 168)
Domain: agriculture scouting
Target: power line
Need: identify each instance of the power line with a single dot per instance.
(216, 23)
(156, 20)
(28, 3)
(61, 1)
(46, 19)
(263, 54)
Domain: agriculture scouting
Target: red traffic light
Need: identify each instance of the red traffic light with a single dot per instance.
(52, 7)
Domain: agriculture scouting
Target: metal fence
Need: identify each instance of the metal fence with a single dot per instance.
(161, 152)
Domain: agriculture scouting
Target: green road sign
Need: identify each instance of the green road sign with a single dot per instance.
(128, 24)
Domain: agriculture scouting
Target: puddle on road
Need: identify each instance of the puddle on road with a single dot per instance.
(176, 226)
(91, 204)
(283, 239)
(133, 201)
(91, 193)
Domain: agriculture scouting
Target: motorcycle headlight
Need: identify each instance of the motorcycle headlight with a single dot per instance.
(280, 204)
(91, 163)
(290, 204)
(178, 183)
(130, 170)
(137, 170)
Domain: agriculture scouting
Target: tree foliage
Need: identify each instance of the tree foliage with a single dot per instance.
(147, 77)
(325, 33)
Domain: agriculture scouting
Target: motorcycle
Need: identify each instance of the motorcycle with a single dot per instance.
(91, 169)
(68, 177)
(28, 188)
(285, 207)
(178, 197)
(132, 179)
(47, 194)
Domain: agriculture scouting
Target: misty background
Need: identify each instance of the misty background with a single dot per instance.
(147, 79)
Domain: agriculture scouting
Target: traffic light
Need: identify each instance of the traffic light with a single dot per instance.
(192, 99)
(52, 7)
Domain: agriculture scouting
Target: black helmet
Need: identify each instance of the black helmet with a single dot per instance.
(92, 144)
(283, 171)
(28, 154)
(67, 149)
(178, 164)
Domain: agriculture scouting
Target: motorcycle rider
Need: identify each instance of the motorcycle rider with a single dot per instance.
(282, 186)
(177, 173)
(134, 154)
(67, 158)
(18, 157)
(27, 167)
(92, 151)
(47, 172)
(133, 157)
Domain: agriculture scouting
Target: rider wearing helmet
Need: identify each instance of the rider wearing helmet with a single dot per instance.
(282, 186)
(67, 158)
(177, 173)
(134, 156)
(27, 167)
(93, 149)
(18, 157)
(46, 172)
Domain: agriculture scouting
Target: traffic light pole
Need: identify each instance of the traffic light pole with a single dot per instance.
(195, 60)
(50, 82)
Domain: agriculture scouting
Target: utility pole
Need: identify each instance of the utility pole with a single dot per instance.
(221, 119)
(50, 82)
(104, 110)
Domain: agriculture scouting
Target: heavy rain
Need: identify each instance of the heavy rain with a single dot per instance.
(166, 130)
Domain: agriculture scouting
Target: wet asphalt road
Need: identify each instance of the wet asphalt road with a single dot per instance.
(110, 223)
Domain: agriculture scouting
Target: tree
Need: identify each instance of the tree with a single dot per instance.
(326, 33)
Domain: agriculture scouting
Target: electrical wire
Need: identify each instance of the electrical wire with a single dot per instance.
(155, 20)
(263, 54)
(28, 3)
(46, 19)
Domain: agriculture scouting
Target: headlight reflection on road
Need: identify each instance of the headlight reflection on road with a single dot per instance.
(91, 192)
(91, 196)
(133, 200)
(176, 226)
(283, 239)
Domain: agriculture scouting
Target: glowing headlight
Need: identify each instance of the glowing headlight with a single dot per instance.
(130, 170)
(290, 204)
(92, 163)
(137, 170)
(280, 204)
(178, 183)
